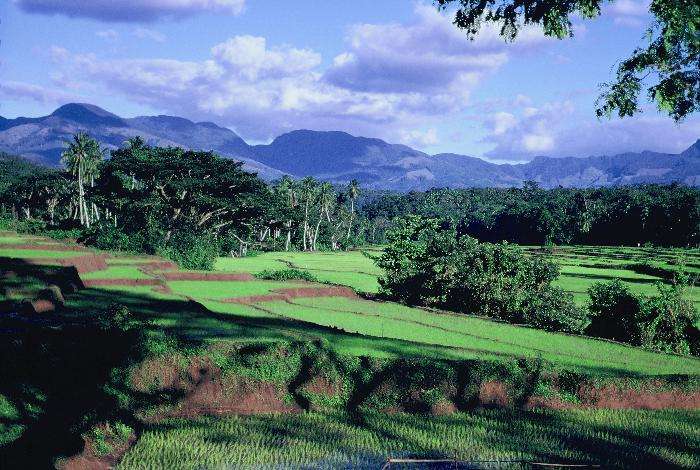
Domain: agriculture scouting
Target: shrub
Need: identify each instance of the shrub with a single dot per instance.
(108, 237)
(426, 263)
(192, 251)
(286, 275)
(614, 312)
(30, 226)
(667, 321)
(554, 310)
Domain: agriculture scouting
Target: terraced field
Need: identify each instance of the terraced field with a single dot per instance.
(235, 306)
(232, 307)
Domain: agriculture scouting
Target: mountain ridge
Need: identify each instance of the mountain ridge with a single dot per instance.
(338, 156)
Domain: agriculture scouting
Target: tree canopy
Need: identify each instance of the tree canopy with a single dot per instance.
(668, 65)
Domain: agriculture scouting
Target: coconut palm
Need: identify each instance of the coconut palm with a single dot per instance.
(353, 192)
(82, 158)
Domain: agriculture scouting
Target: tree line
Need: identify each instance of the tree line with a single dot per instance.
(189, 205)
(662, 215)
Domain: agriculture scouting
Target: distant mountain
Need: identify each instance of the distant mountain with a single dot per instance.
(43, 139)
(339, 157)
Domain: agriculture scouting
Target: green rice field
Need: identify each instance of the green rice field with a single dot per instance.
(487, 439)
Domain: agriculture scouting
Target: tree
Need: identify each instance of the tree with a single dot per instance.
(353, 193)
(671, 59)
(82, 158)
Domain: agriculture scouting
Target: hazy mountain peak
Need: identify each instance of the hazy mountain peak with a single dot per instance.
(338, 157)
(88, 114)
(693, 150)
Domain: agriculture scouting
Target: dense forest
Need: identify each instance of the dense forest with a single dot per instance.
(663, 215)
(193, 206)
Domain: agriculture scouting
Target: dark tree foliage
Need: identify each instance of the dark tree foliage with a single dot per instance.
(670, 60)
(665, 215)
(665, 322)
(429, 263)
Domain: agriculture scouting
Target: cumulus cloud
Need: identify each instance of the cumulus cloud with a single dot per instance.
(25, 91)
(554, 129)
(131, 10)
(145, 33)
(391, 80)
(418, 138)
(632, 13)
(429, 55)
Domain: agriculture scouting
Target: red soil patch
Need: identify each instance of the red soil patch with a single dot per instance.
(89, 458)
(184, 276)
(443, 408)
(42, 246)
(205, 391)
(122, 282)
(322, 386)
(83, 264)
(151, 266)
(494, 393)
(613, 397)
(42, 306)
(295, 293)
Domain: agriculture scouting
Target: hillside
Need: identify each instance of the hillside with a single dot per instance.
(339, 157)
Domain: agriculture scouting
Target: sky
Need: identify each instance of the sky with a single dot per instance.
(392, 69)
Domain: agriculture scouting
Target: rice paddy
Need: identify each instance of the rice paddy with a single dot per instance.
(490, 439)
(254, 311)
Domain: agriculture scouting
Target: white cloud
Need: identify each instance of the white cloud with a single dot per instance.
(426, 71)
(108, 34)
(24, 91)
(130, 10)
(419, 138)
(632, 13)
(153, 35)
(429, 55)
(555, 129)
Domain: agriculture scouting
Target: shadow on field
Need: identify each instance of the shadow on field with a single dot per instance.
(63, 372)
(548, 437)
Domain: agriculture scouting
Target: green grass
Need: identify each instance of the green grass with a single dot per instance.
(479, 338)
(117, 272)
(611, 438)
(229, 289)
(349, 268)
(29, 254)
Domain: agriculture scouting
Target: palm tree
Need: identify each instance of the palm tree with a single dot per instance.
(326, 195)
(82, 158)
(353, 192)
(308, 189)
(288, 188)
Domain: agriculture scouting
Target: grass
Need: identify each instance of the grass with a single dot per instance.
(353, 326)
(349, 268)
(611, 438)
(387, 330)
(117, 272)
(29, 254)
(480, 338)
(226, 289)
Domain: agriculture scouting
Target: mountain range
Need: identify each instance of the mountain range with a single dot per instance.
(338, 156)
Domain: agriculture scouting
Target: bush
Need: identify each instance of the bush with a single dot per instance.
(191, 251)
(667, 321)
(614, 312)
(30, 226)
(286, 275)
(426, 263)
(110, 238)
(554, 310)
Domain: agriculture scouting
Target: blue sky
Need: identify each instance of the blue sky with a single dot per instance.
(393, 69)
